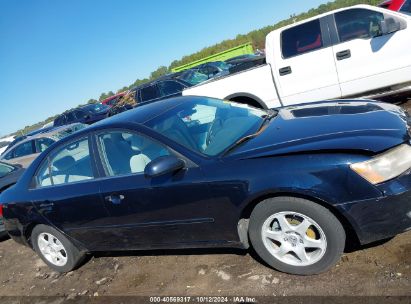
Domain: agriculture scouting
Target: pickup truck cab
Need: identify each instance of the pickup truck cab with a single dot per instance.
(359, 51)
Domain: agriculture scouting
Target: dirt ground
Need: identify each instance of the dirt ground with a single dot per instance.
(383, 269)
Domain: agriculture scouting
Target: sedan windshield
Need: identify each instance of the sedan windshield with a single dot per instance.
(208, 126)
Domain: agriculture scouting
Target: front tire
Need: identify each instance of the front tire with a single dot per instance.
(55, 249)
(296, 236)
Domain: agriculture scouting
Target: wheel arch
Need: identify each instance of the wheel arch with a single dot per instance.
(352, 239)
(27, 231)
(247, 98)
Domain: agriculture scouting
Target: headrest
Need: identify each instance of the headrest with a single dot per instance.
(64, 163)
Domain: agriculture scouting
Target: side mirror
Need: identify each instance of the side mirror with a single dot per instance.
(163, 165)
(389, 25)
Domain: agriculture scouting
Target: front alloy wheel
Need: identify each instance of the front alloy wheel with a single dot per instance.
(296, 236)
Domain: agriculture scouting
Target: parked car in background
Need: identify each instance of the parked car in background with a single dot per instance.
(41, 130)
(9, 175)
(191, 76)
(241, 58)
(403, 6)
(48, 125)
(14, 142)
(192, 172)
(5, 142)
(213, 69)
(112, 100)
(359, 51)
(246, 63)
(24, 152)
(87, 114)
(162, 88)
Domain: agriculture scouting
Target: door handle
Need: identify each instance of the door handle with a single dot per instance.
(343, 55)
(285, 71)
(115, 199)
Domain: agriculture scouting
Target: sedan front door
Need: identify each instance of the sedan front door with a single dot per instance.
(166, 211)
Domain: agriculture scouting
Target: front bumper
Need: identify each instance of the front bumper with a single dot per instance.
(385, 217)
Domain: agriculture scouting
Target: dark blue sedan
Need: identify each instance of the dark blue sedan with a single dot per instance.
(193, 172)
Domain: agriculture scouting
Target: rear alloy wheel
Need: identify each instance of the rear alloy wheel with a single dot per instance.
(296, 236)
(55, 249)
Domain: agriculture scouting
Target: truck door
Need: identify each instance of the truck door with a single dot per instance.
(366, 58)
(304, 66)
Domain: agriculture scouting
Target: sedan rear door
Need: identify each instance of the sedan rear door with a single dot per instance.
(67, 194)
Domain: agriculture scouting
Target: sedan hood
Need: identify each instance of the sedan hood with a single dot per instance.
(367, 126)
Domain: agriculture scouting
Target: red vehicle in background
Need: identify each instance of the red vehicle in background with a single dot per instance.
(403, 6)
(112, 100)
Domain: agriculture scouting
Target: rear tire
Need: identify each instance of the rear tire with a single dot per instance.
(296, 236)
(56, 250)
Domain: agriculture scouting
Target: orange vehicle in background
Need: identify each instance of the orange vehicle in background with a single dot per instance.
(112, 100)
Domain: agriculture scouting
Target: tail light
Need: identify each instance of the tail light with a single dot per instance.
(1, 210)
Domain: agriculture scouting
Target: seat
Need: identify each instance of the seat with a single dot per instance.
(118, 153)
(138, 163)
(175, 129)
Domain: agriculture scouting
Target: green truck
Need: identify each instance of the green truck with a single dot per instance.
(243, 49)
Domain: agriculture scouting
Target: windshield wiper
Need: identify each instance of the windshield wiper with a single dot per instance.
(270, 115)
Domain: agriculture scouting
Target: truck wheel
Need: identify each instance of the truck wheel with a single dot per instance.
(55, 249)
(296, 236)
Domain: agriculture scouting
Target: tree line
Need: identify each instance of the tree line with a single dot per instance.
(256, 37)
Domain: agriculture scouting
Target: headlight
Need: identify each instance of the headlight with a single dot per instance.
(385, 166)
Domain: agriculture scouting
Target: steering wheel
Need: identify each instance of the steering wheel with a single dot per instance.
(212, 130)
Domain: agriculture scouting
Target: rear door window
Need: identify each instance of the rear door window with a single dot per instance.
(69, 164)
(358, 23)
(24, 149)
(301, 39)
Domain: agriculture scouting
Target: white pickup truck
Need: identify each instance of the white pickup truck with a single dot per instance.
(359, 51)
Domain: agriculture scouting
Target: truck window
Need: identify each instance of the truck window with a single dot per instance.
(301, 39)
(358, 23)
